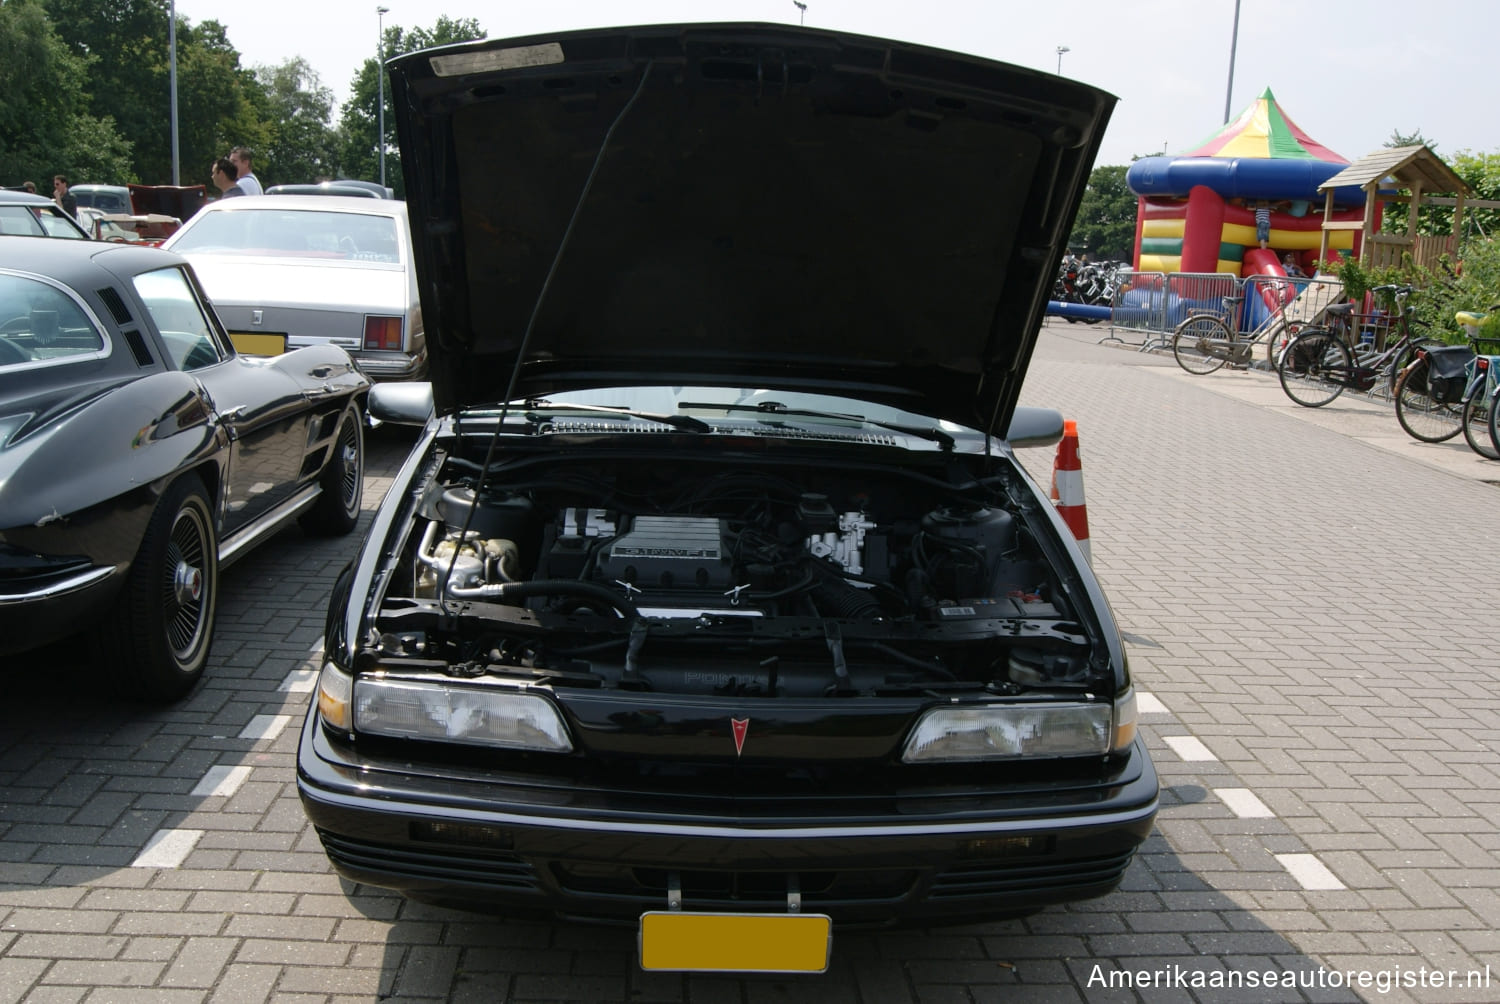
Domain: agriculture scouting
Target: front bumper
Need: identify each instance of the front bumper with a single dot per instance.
(445, 842)
(40, 612)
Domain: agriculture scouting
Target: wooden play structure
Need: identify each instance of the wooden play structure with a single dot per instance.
(1428, 180)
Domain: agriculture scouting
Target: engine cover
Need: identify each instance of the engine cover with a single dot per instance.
(669, 552)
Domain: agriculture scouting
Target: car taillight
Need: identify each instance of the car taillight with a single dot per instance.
(383, 333)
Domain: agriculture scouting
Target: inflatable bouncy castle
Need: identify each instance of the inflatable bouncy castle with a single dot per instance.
(1196, 212)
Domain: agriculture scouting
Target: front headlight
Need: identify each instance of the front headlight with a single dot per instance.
(477, 716)
(1012, 731)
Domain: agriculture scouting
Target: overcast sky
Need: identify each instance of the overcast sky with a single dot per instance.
(1347, 71)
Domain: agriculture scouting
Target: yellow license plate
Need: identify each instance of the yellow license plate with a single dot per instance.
(736, 942)
(254, 343)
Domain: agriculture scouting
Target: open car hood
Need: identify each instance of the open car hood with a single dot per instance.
(756, 205)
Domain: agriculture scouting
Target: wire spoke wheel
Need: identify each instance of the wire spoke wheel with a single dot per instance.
(1422, 417)
(1315, 368)
(183, 583)
(1202, 344)
(1476, 424)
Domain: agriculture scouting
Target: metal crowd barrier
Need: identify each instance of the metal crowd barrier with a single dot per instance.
(1150, 305)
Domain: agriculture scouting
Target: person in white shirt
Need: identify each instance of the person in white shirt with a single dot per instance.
(248, 182)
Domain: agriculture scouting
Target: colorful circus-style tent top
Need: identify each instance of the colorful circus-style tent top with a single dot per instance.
(1261, 154)
(1264, 131)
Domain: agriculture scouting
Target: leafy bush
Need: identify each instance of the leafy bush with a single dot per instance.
(1472, 284)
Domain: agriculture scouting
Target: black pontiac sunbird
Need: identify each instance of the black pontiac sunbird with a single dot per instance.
(139, 453)
(712, 597)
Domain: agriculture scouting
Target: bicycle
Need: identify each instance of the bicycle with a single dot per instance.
(1318, 364)
(1205, 342)
(1451, 388)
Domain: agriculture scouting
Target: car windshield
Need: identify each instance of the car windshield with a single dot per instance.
(41, 323)
(304, 235)
(54, 223)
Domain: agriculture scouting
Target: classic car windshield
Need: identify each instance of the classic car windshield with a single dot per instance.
(295, 234)
(42, 323)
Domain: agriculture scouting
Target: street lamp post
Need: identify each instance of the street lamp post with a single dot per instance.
(1234, 43)
(172, 74)
(1060, 50)
(380, 13)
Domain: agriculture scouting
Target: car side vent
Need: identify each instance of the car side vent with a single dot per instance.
(116, 304)
(138, 347)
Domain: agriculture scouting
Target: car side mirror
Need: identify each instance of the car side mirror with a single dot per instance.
(1035, 427)
(403, 402)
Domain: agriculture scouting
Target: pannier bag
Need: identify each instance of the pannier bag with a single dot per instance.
(1446, 372)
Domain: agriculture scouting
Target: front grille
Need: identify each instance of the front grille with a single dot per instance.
(448, 864)
(1009, 878)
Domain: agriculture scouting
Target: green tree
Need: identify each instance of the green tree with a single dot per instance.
(359, 119)
(303, 145)
(1105, 226)
(1399, 138)
(45, 125)
(129, 81)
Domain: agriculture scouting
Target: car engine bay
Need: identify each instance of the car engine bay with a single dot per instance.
(693, 575)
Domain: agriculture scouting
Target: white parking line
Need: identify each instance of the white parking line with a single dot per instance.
(265, 727)
(1149, 704)
(1243, 803)
(1311, 873)
(221, 781)
(299, 681)
(167, 848)
(1189, 747)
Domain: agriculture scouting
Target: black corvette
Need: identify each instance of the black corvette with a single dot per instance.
(140, 453)
(713, 597)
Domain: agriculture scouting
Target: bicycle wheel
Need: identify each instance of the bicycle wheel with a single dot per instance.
(1423, 418)
(1403, 359)
(1315, 368)
(1202, 344)
(1495, 422)
(1279, 339)
(1477, 423)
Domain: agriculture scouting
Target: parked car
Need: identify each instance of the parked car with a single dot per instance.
(140, 454)
(295, 270)
(23, 214)
(713, 597)
(110, 198)
(132, 228)
(350, 188)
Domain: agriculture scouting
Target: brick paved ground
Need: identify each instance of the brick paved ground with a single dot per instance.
(1307, 602)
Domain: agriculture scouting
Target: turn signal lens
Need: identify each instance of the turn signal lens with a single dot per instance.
(334, 686)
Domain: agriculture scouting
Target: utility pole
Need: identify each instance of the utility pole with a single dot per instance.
(1060, 50)
(380, 13)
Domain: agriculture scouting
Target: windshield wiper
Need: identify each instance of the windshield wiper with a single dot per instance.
(776, 408)
(684, 423)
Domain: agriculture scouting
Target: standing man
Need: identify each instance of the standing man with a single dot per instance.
(248, 182)
(63, 197)
(224, 178)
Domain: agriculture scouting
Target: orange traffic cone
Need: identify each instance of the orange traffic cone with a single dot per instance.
(1067, 487)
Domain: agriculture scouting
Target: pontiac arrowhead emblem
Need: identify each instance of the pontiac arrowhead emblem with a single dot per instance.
(740, 727)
